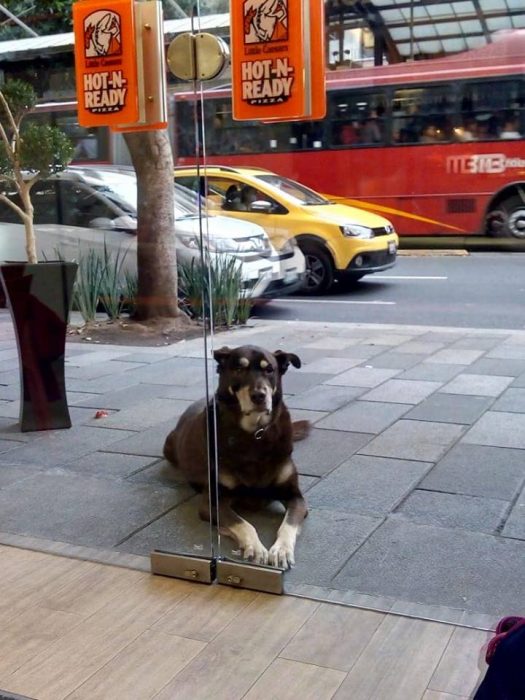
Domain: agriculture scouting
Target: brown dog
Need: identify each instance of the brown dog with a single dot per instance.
(254, 436)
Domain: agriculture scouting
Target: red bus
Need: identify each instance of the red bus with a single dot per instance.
(434, 145)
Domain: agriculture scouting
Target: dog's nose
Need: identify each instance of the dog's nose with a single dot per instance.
(257, 396)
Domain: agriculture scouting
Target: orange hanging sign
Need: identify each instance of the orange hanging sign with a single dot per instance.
(105, 62)
(277, 56)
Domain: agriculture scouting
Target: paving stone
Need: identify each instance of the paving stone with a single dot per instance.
(420, 347)
(324, 397)
(365, 351)
(477, 342)
(11, 473)
(508, 351)
(324, 450)
(85, 510)
(451, 408)
(193, 392)
(126, 397)
(296, 382)
(478, 470)
(367, 485)
(147, 414)
(328, 343)
(402, 391)
(453, 510)
(499, 429)
(364, 417)
(148, 443)
(439, 566)
(512, 400)
(515, 525)
(302, 414)
(330, 365)
(419, 440)
(519, 382)
(442, 336)
(477, 385)
(363, 376)
(179, 531)
(10, 392)
(146, 357)
(96, 370)
(109, 465)
(327, 539)
(432, 372)
(506, 368)
(101, 385)
(90, 357)
(179, 371)
(396, 360)
(55, 447)
(455, 356)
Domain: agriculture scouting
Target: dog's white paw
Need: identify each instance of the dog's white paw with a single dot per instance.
(281, 554)
(255, 552)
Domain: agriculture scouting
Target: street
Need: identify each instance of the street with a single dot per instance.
(481, 290)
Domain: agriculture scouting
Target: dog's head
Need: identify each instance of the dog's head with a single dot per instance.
(250, 377)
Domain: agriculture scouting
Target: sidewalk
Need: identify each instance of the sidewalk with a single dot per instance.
(413, 473)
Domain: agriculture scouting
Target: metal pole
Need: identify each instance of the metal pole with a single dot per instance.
(17, 21)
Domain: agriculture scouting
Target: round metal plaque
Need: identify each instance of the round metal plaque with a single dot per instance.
(197, 56)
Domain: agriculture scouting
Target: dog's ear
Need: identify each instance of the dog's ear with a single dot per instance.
(285, 358)
(221, 356)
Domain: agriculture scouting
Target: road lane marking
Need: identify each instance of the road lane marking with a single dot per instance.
(333, 301)
(409, 277)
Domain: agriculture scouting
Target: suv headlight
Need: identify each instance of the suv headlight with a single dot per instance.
(356, 231)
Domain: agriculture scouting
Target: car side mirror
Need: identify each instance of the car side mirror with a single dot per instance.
(261, 206)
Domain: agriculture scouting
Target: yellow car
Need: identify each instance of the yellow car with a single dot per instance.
(338, 241)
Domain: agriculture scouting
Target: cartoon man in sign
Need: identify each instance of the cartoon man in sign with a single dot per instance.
(265, 21)
(102, 34)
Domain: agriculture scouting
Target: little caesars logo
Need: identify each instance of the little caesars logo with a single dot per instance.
(269, 80)
(104, 91)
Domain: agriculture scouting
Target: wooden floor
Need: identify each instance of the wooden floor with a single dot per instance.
(75, 629)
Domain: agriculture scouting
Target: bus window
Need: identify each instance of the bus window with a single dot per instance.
(422, 115)
(495, 107)
(357, 118)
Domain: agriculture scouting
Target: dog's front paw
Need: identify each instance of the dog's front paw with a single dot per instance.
(281, 554)
(255, 552)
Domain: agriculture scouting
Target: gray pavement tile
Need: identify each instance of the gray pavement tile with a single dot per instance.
(439, 566)
(442, 336)
(146, 357)
(156, 471)
(187, 393)
(85, 510)
(295, 382)
(148, 443)
(324, 397)
(419, 440)
(55, 447)
(96, 370)
(109, 465)
(147, 414)
(455, 356)
(179, 531)
(432, 372)
(365, 351)
(499, 429)
(179, 371)
(477, 342)
(124, 398)
(402, 391)
(396, 360)
(388, 338)
(325, 450)
(330, 365)
(367, 485)
(10, 430)
(420, 347)
(102, 385)
(515, 525)
(477, 385)
(454, 510)
(478, 470)
(11, 473)
(327, 539)
(451, 408)
(329, 342)
(512, 400)
(303, 414)
(10, 392)
(363, 376)
(519, 382)
(101, 355)
(508, 351)
(306, 482)
(506, 368)
(363, 417)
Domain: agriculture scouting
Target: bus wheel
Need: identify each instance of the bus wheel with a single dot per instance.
(319, 270)
(509, 220)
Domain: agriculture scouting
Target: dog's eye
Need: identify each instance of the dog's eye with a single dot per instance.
(268, 369)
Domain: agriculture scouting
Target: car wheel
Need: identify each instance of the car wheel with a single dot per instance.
(508, 221)
(319, 275)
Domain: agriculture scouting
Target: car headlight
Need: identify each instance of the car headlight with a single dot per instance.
(255, 244)
(356, 231)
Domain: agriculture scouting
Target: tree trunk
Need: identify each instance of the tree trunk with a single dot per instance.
(156, 256)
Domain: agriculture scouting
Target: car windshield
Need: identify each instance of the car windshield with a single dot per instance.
(304, 195)
(123, 193)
